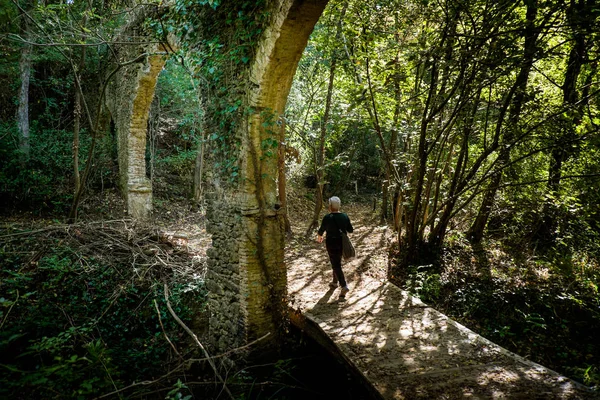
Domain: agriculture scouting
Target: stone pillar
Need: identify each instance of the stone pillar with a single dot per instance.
(129, 96)
(247, 278)
(224, 281)
(139, 188)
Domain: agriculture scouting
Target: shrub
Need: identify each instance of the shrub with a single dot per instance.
(77, 322)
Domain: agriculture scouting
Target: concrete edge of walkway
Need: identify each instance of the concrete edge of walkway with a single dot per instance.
(314, 330)
(307, 324)
(475, 337)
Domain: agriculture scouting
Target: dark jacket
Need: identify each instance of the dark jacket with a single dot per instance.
(333, 223)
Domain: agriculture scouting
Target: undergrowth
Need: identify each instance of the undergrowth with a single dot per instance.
(83, 311)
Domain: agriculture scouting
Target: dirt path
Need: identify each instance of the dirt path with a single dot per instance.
(406, 349)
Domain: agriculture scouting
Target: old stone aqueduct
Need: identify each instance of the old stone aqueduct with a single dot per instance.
(246, 275)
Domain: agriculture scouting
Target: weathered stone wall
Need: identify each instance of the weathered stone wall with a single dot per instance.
(247, 277)
(129, 96)
(225, 280)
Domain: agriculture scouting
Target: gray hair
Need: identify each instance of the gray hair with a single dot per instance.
(335, 203)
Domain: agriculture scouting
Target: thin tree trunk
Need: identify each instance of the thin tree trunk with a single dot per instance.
(398, 211)
(282, 182)
(561, 151)
(199, 169)
(434, 104)
(438, 232)
(371, 107)
(428, 208)
(392, 145)
(202, 145)
(93, 130)
(320, 156)
(420, 167)
(23, 110)
(515, 98)
(570, 97)
(77, 123)
(438, 184)
(385, 195)
(387, 156)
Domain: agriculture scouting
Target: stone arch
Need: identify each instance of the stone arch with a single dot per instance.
(128, 98)
(271, 76)
(247, 279)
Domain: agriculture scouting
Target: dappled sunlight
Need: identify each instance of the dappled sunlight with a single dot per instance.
(403, 347)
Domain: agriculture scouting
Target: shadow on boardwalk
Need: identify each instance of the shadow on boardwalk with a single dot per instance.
(404, 348)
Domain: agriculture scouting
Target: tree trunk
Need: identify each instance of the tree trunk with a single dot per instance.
(23, 110)
(438, 232)
(561, 151)
(199, 169)
(420, 168)
(392, 145)
(438, 183)
(516, 96)
(281, 181)
(202, 146)
(434, 104)
(94, 124)
(570, 97)
(320, 156)
(385, 195)
(385, 148)
(77, 124)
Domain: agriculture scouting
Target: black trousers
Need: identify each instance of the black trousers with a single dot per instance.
(334, 249)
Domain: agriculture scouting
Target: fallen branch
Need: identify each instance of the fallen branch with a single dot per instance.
(163, 329)
(144, 383)
(63, 227)
(183, 364)
(234, 350)
(193, 335)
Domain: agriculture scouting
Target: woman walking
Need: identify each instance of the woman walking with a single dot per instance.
(335, 223)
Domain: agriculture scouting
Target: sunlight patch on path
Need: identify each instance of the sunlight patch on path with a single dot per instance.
(404, 348)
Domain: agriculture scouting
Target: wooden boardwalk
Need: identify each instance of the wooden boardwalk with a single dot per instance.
(402, 347)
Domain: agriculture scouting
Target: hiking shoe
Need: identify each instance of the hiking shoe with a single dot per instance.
(333, 285)
(343, 292)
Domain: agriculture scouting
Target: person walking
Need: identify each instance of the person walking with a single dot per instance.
(335, 223)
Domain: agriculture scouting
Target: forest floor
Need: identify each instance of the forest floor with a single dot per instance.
(403, 347)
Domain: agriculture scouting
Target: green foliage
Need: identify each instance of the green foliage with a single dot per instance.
(45, 180)
(424, 283)
(175, 393)
(78, 325)
(178, 97)
(218, 39)
(179, 164)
